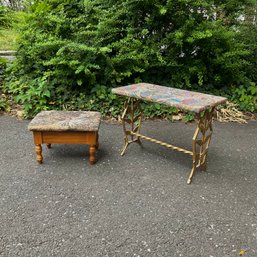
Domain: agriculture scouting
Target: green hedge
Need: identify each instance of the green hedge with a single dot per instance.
(4, 21)
(72, 52)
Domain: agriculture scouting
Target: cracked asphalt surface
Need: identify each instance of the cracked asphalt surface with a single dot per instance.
(135, 205)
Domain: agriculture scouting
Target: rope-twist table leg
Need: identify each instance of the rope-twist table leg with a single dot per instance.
(201, 141)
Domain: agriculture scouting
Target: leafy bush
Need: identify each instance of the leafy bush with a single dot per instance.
(246, 97)
(4, 103)
(75, 51)
(246, 94)
(3, 63)
(6, 17)
(3, 16)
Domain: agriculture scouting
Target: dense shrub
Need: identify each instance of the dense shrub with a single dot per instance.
(7, 17)
(4, 21)
(72, 50)
(4, 105)
(245, 94)
(2, 69)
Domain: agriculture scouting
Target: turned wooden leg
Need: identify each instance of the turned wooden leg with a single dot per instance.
(48, 146)
(92, 151)
(39, 153)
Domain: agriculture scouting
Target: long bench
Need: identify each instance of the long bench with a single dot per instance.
(202, 104)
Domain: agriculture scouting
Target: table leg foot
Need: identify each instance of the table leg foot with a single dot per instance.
(92, 150)
(125, 146)
(189, 180)
(39, 157)
(48, 146)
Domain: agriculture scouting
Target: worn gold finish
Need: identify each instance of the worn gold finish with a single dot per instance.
(132, 116)
(176, 148)
(132, 120)
(201, 140)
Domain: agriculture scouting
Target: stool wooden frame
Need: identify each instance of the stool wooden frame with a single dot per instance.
(66, 137)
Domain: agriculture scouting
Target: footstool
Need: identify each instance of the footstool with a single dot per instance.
(66, 127)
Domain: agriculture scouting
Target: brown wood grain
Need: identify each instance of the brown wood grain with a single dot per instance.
(66, 137)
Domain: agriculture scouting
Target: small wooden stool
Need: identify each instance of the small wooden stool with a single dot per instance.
(66, 127)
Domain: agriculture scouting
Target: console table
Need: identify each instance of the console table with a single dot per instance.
(202, 104)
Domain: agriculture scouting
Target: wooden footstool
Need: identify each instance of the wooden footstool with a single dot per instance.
(66, 127)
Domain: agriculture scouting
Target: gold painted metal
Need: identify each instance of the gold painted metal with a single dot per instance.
(202, 139)
(132, 117)
(176, 148)
(132, 121)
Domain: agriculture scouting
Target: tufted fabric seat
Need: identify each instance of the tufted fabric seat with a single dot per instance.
(66, 127)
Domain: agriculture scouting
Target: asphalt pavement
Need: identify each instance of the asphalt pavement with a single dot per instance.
(135, 205)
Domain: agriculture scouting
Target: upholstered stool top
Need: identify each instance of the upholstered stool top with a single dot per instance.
(66, 121)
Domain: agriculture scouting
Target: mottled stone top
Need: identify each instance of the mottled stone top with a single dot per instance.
(66, 121)
(182, 99)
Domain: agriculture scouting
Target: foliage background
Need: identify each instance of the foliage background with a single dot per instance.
(71, 53)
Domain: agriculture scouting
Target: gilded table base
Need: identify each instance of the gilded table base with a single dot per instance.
(132, 121)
